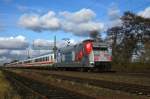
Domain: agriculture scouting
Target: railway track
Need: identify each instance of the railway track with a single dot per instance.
(31, 89)
(121, 86)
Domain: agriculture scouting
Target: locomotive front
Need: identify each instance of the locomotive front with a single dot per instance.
(99, 55)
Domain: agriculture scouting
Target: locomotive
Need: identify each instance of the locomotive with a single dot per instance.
(87, 55)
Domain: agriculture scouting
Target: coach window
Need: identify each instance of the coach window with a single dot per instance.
(47, 58)
(51, 58)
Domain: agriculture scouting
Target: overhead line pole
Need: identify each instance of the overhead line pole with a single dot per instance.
(55, 48)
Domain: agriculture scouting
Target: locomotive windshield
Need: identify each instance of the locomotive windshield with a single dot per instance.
(100, 48)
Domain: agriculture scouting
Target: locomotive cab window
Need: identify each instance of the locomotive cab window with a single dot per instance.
(100, 48)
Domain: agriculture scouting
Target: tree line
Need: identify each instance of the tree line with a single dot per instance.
(130, 41)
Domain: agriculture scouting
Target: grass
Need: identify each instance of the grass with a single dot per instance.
(84, 88)
(6, 91)
(131, 67)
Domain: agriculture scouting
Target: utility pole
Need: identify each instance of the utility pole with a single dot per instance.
(55, 48)
(28, 53)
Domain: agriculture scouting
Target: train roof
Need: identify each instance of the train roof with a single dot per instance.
(46, 54)
(88, 40)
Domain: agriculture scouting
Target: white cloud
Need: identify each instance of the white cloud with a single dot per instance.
(145, 13)
(83, 15)
(49, 44)
(4, 59)
(41, 43)
(39, 23)
(18, 53)
(30, 22)
(4, 52)
(113, 13)
(114, 17)
(49, 21)
(22, 8)
(114, 23)
(18, 42)
(82, 29)
(35, 53)
(79, 23)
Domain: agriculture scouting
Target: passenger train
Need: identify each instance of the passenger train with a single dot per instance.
(87, 55)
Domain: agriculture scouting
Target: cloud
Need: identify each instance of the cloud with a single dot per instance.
(22, 8)
(49, 44)
(145, 13)
(9, 55)
(18, 42)
(4, 59)
(29, 9)
(4, 52)
(78, 23)
(39, 23)
(114, 17)
(113, 13)
(83, 15)
(42, 44)
(17, 53)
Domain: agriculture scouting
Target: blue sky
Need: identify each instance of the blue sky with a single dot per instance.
(25, 21)
(10, 13)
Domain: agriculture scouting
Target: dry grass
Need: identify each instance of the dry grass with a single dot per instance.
(132, 67)
(100, 93)
(86, 89)
(6, 91)
(115, 77)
